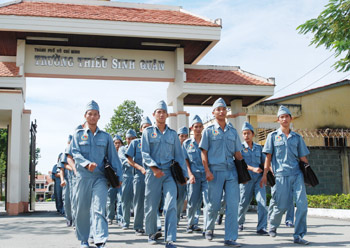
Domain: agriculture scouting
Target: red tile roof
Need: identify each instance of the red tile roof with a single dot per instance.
(9, 69)
(221, 77)
(109, 13)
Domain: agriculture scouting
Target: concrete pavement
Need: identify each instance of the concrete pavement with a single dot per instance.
(46, 228)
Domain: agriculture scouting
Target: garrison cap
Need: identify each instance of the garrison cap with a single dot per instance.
(247, 126)
(117, 137)
(283, 110)
(219, 103)
(161, 105)
(130, 133)
(92, 105)
(145, 120)
(182, 130)
(196, 119)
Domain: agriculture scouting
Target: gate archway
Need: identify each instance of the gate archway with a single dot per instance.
(111, 41)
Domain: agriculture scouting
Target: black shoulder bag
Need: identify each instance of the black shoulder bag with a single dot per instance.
(270, 177)
(310, 177)
(242, 171)
(110, 174)
(176, 172)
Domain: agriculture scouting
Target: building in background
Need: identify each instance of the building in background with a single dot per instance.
(44, 187)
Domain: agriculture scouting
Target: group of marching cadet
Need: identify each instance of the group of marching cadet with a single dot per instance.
(149, 190)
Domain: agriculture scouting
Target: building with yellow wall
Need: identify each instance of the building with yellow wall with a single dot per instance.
(323, 107)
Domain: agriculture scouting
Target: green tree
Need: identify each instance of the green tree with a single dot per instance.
(126, 116)
(332, 30)
(3, 157)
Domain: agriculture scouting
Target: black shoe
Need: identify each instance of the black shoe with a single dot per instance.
(272, 232)
(209, 235)
(139, 232)
(240, 227)
(157, 235)
(219, 219)
(262, 232)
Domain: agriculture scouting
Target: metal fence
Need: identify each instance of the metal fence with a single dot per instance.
(316, 137)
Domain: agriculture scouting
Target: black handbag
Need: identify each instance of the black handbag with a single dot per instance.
(176, 172)
(242, 171)
(110, 174)
(310, 177)
(270, 177)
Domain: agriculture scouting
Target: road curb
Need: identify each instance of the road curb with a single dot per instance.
(321, 212)
(331, 213)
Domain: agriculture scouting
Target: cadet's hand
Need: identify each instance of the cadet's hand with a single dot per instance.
(257, 170)
(157, 172)
(209, 176)
(63, 183)
(263, 180)
(143, 171)
(91, 167)
(192, 179)
(120, 184)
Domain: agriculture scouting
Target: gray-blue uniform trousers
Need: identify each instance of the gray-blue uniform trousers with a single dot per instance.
(134, 152)
(159, 150)
(221, 146)
(114, 201)
(57, 190)
(253, 157)
(66, 191)
(72, 182)
(181, 197)
(92, 187)
(114, 204)
(127, 186)
(289, 178)
(197, 192)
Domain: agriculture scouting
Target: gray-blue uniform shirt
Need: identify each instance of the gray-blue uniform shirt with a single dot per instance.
(221, 146)
(285, 152)
(88, 147)
(160, 149)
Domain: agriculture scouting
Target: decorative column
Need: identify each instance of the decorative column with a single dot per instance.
(238, 116)
(14, 175)
(180, 117)
(253, 120)
(25, 160)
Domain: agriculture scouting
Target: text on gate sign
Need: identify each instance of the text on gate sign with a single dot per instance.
(61, 58)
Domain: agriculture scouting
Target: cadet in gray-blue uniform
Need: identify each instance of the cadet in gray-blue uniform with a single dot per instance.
(253, 156)
(284, 148)
(134, 157)
(66, 186)
(114, 199)
(128, 178)
(57, 188)
(160, 146)
(198, 185)
(90, 146)
(70, 165)
(220, 145)
(182, 132)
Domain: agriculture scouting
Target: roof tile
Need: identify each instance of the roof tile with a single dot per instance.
(9, 69)
(60, 10)
(221, 77)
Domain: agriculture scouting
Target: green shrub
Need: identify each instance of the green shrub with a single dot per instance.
(321, 201)
(329, 201)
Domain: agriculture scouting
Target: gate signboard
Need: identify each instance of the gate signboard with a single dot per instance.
(99, 63)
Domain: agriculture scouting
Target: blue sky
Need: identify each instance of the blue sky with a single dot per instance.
(258, 35)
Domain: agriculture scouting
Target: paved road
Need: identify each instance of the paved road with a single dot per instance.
(45, 228)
